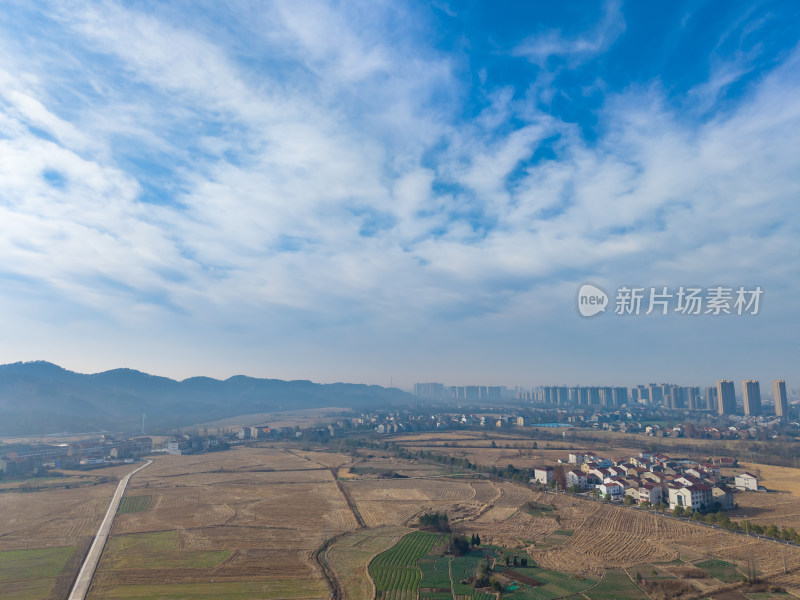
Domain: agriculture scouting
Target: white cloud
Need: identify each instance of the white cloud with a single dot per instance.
(339, 197)
(539, 48)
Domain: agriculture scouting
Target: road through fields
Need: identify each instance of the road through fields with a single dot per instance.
(89, 565)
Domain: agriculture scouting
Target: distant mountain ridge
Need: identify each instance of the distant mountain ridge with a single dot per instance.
(40, 397)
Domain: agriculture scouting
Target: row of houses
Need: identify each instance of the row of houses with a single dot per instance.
(649, 477)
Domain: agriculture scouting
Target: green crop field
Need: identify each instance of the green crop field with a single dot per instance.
(616, 584)
(435, 572)
(395, 570)
(160, 550)
(132, 504)
(33, 564)
(720, 569)
(463, 568)
(556, 585)
(32, 574)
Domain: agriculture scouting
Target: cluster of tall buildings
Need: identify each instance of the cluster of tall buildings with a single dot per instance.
(720, 398)
(581, 395)
(438, 391)
(670, 396)
(751, 398)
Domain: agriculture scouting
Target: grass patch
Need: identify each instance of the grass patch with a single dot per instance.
(616, 584)
(537, 509)
(30, 589)
(160, 550)
(719, 569)
(33, 564)
(132, 504)
(555, 585)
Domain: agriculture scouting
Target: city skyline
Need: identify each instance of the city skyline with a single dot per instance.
(398, 192)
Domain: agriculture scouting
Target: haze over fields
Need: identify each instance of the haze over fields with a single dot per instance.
(403, 191)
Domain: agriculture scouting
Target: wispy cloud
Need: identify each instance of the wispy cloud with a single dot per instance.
(326, 181)
(578, 48)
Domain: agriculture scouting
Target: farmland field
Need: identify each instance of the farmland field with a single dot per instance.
(351, 554)
(396, 570)
(616, 584)
(280, 521)
(250, 518)
(132, 504)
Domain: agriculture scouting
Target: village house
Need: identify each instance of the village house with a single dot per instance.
(543, 475)
(612, 489)
(696, 497)
(577, 478)
(722, 494)
(747, 481)
(650, 492)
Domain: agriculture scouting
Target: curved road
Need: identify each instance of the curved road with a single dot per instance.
(89, 565)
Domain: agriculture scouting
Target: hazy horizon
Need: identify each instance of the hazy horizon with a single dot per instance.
(399, 192)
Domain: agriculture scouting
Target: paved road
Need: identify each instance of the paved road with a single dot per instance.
(89, 565)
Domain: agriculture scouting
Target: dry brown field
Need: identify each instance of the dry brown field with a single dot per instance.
(779, 509)
(250, 518)
(786, 479)
(287, 418)
(510, 448)
(246, 523)
(52, 518)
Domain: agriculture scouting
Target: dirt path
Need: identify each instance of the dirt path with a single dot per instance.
(327, 572)
(350, 504)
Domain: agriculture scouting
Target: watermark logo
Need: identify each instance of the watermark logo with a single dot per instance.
(684, 300)
(591, 300)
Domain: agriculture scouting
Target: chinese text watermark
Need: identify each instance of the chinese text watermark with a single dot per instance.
(684, 300)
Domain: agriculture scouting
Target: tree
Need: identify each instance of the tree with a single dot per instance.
(477, 539)
(560, 477)
(772, 531)
(460, 545)
(434, 522)
(678, 511)
(524, 561)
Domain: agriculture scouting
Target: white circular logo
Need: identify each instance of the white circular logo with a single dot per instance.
(591, 300)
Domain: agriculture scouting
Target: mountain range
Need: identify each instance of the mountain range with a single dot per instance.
(40, 397)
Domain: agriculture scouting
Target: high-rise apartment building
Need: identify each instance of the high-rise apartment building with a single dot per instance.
(781, 400)
(726, 397)
(656, 394)
(751, 393)
(563, 395)
(711, 399)
(620, 396)
(429, 390)
(693, 394)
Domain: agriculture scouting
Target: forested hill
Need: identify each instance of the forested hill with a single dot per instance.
(40, 397)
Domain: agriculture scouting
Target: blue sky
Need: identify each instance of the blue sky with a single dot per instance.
(398, 191)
